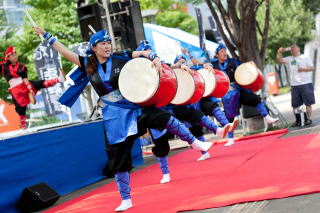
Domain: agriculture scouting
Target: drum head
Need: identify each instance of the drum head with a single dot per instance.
(246, 74)
(209, 81)
(186, 87)
(138, 80)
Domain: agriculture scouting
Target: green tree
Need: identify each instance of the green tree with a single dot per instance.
(6, 39)
(238, 26)
(312, 5)
(59, 18)
(256, 28)
(171, 14)
(290, 22)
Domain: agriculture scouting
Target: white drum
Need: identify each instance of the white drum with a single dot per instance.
(210, 81)
(142, 84)
(190, 87)
(248, 76)
(185, 88)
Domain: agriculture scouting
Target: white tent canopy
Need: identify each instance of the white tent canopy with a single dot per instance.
(167, 42)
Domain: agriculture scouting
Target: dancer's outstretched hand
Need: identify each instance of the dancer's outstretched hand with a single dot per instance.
(38, 30)
(157, 64)
(185, 68)
(208, 67)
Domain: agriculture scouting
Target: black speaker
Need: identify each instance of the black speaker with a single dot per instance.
(37, 197)
(89, 14)
(128, 26)
(126, 21)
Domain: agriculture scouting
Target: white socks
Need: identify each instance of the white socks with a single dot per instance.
(269, 119)
(230, 142)
(165, 178)
(202, 146)
(125, 204)
(221, 132)
(204, 156)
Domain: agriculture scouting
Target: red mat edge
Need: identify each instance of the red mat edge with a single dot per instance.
(274, 132)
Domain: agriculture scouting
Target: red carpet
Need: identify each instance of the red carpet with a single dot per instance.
(254, 169)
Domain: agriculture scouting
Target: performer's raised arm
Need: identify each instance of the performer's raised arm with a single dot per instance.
(192, 59)
(53, 41)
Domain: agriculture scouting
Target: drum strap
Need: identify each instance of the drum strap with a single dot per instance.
(196, 67)
(126, 105)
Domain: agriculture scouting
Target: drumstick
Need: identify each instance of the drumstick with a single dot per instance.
(32, 22)
(91, 28)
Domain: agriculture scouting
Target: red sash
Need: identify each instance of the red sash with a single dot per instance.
(14, 70)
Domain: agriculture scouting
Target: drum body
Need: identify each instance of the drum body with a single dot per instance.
(216, 85)
(190, 87)
(140, 83)
(248, 76)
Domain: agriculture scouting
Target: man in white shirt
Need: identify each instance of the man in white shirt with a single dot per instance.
(301, 69)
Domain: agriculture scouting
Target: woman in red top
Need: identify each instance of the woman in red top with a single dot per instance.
(21, 89)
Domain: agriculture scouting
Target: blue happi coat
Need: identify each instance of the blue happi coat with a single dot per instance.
(120, 116)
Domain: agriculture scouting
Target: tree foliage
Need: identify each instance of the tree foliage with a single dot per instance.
(290, 22)
(6, 38)
(171, 14)
(253, 30)
(236, 21)
(59, 17)
(312, 5)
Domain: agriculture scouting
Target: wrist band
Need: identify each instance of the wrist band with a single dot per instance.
(52, 40)
(47, 35)
(49, 38)
(152, 56)
(181, 64)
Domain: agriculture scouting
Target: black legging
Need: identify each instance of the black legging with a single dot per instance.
(120, 154)
(207, 106)
(249, 98)
(190, 115)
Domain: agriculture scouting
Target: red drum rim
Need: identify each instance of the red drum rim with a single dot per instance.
(246, 73)
(130, 84)
(222, 85)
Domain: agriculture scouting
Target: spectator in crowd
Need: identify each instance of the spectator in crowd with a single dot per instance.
(301, 68)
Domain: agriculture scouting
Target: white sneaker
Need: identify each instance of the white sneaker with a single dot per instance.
(234, 124)
(204, 156)
(125, 204)
(202, 146)
(165, 178)
(230, 142)
(270, 120)
(61, 77)
(222, 132)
